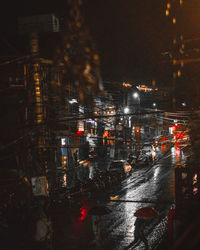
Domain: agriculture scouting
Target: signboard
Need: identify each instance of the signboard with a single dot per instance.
(39, 186)
(137, 132)
(119, 127)
(80, 125)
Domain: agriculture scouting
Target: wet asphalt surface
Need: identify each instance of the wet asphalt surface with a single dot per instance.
(149, 185)
(146, 184)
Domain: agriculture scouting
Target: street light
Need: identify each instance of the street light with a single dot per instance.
(126, 110)
(135, 95)
(183, 104)
(154, 104)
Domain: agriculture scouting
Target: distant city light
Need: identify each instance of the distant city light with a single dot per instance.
(174, 41)
(144, 88)
(168, 5)
(154, 104)
(174, 20)
(126, 84)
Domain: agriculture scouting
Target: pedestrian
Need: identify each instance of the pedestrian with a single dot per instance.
(153, 153)
(43, 233)
(76, 156)
(139, 233)
(96, 231)
(91, 171)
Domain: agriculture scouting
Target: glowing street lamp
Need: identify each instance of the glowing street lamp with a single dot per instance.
(126, 110)
(135, 95)
(154, 104)
(183, 104)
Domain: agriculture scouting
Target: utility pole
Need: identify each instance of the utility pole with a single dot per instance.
(35, 117)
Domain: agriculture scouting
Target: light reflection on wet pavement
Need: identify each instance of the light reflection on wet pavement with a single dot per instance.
(153, 184)
(119, 225)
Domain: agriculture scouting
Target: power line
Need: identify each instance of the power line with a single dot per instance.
(15, 60)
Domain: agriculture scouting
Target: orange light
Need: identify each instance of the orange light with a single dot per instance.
(126, 84)
(179, 73)
(174, 20)
(137, 131)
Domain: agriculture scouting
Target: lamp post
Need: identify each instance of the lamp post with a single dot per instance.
(125, 124)
(136, 96)
(126, 110)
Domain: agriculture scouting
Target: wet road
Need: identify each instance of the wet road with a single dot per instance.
(147, 186)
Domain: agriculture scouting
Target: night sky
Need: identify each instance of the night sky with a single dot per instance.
(130, 35)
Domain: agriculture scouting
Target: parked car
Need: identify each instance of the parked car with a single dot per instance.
(142, 159)
(145, 155)
(120, 166)
(147, 150)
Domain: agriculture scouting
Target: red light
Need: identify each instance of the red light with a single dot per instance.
(84, 213)
(163, 147)
(176, 126)
(179, 135)
(164, 138)
(79, 132)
